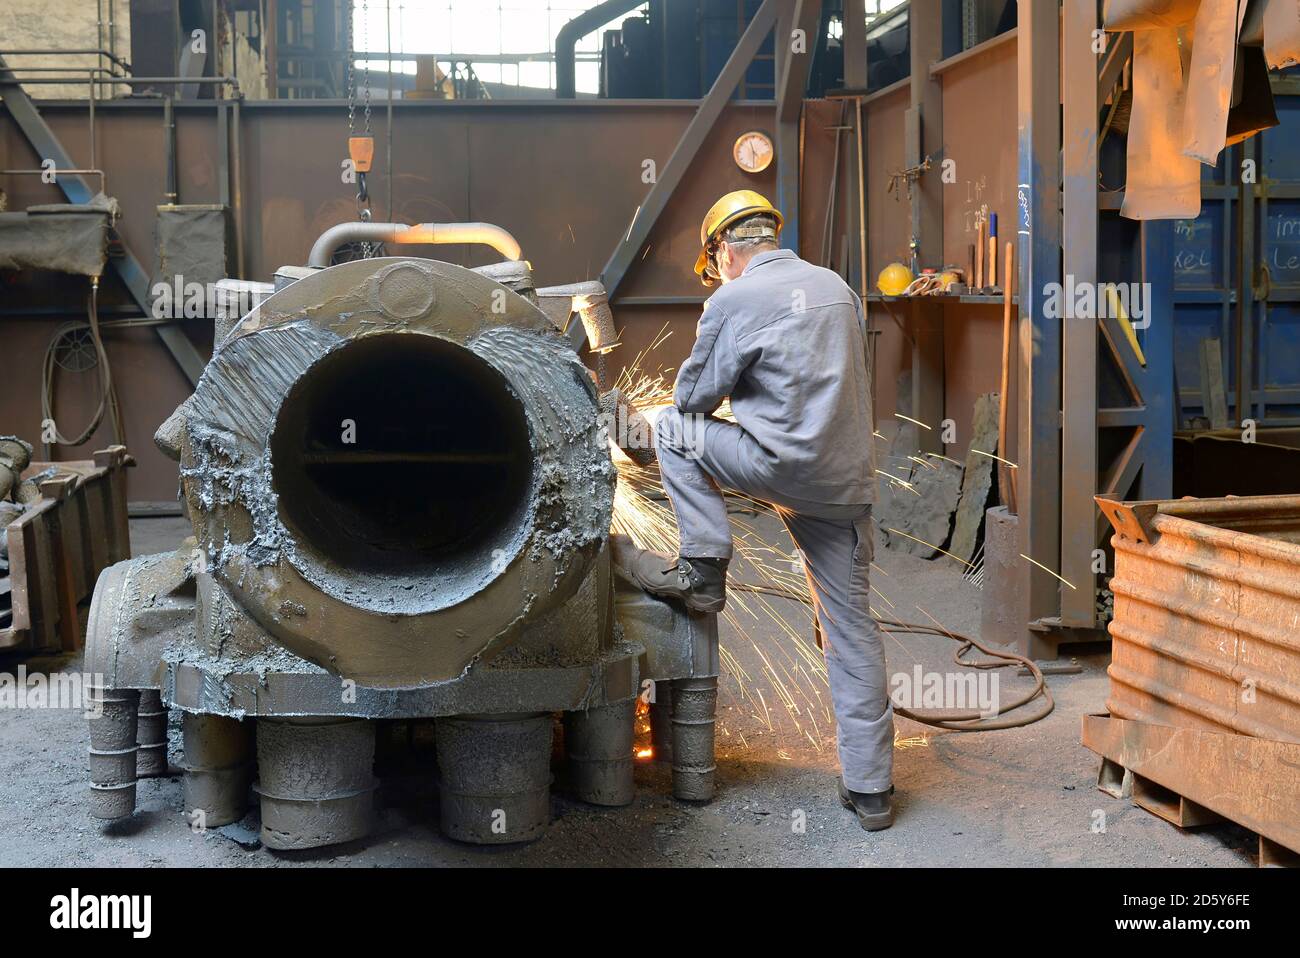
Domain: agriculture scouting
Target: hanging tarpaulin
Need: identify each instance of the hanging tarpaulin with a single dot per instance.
(1163, 182)
(1209, 81)
(1281, 32)
(1192, 93)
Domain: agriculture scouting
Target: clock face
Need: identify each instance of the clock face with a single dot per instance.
(753, 151)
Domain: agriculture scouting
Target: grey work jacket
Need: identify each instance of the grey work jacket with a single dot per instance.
(786, 341)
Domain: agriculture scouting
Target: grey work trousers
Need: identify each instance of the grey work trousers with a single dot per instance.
(697, 455)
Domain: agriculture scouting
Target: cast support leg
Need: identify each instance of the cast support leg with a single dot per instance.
(598, 746)
(113, 723)
(151, 736)
(661, 721)
(316, 780)
(218, 768)
(695, 703)
(495, 783)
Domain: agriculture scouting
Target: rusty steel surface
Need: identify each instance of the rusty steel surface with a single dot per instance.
(1206, 632)
(1251, 781)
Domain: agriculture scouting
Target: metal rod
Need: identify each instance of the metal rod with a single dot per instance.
(237, 173)
(91, 86)
(11, 79)
(80, 52)
(103, 179)
(169, 150)
(388, 173)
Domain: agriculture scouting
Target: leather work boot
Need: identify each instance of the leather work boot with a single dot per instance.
(700, 583)
(875, 810)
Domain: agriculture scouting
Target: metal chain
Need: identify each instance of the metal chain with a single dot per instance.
(351, 80)
(366, 68)
(363, 193)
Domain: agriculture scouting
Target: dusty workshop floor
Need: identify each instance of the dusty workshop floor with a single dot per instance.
(1014, 798)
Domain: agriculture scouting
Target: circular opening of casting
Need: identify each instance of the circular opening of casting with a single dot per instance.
(403, 455)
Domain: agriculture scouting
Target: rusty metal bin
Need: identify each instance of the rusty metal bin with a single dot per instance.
(1206, 632)
(1204, 703)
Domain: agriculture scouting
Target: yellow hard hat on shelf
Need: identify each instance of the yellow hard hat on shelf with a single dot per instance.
(735, 206)
(893, 279)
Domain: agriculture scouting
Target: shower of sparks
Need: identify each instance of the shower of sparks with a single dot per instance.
(1049, 571)
(930, 545)
(911, 741)
(791, 683)
(1006, 462)
(902, 483)
(918, 422)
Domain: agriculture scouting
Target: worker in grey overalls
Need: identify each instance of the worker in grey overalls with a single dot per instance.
(785, 341)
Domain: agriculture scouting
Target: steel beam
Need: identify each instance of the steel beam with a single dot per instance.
(77, 190)
(855, 45)
(791, 84)
(684, 153)
(855, 79)
(1079, 366)
(1038, 226)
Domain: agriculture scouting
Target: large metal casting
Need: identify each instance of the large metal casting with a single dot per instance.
(401, 494)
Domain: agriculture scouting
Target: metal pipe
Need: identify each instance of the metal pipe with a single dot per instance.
(566, 41)
(169, 150)
(103, 179)
(431, 233)
(237, 173)
(388, 172)
(10, 79)
(91, 77)
(84, 52)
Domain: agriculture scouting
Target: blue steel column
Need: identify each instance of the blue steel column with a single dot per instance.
(1079, 336)
(1038, 62)
(1156, 480)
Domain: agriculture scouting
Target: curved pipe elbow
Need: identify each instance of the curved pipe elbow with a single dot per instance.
(439, 234)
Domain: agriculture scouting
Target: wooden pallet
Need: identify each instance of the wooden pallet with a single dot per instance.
(60, 544)
(1196, 777)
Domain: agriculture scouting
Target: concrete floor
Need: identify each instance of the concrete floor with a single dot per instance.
(1023, 797)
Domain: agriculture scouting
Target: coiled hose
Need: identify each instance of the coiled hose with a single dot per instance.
(108, 392)
(954, 720)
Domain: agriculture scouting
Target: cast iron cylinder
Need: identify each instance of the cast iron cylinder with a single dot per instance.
(393, 465)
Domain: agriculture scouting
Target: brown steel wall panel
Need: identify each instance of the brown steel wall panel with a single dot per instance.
(565, 179)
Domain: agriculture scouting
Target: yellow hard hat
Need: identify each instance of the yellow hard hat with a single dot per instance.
(893, 279)
(735, 206)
